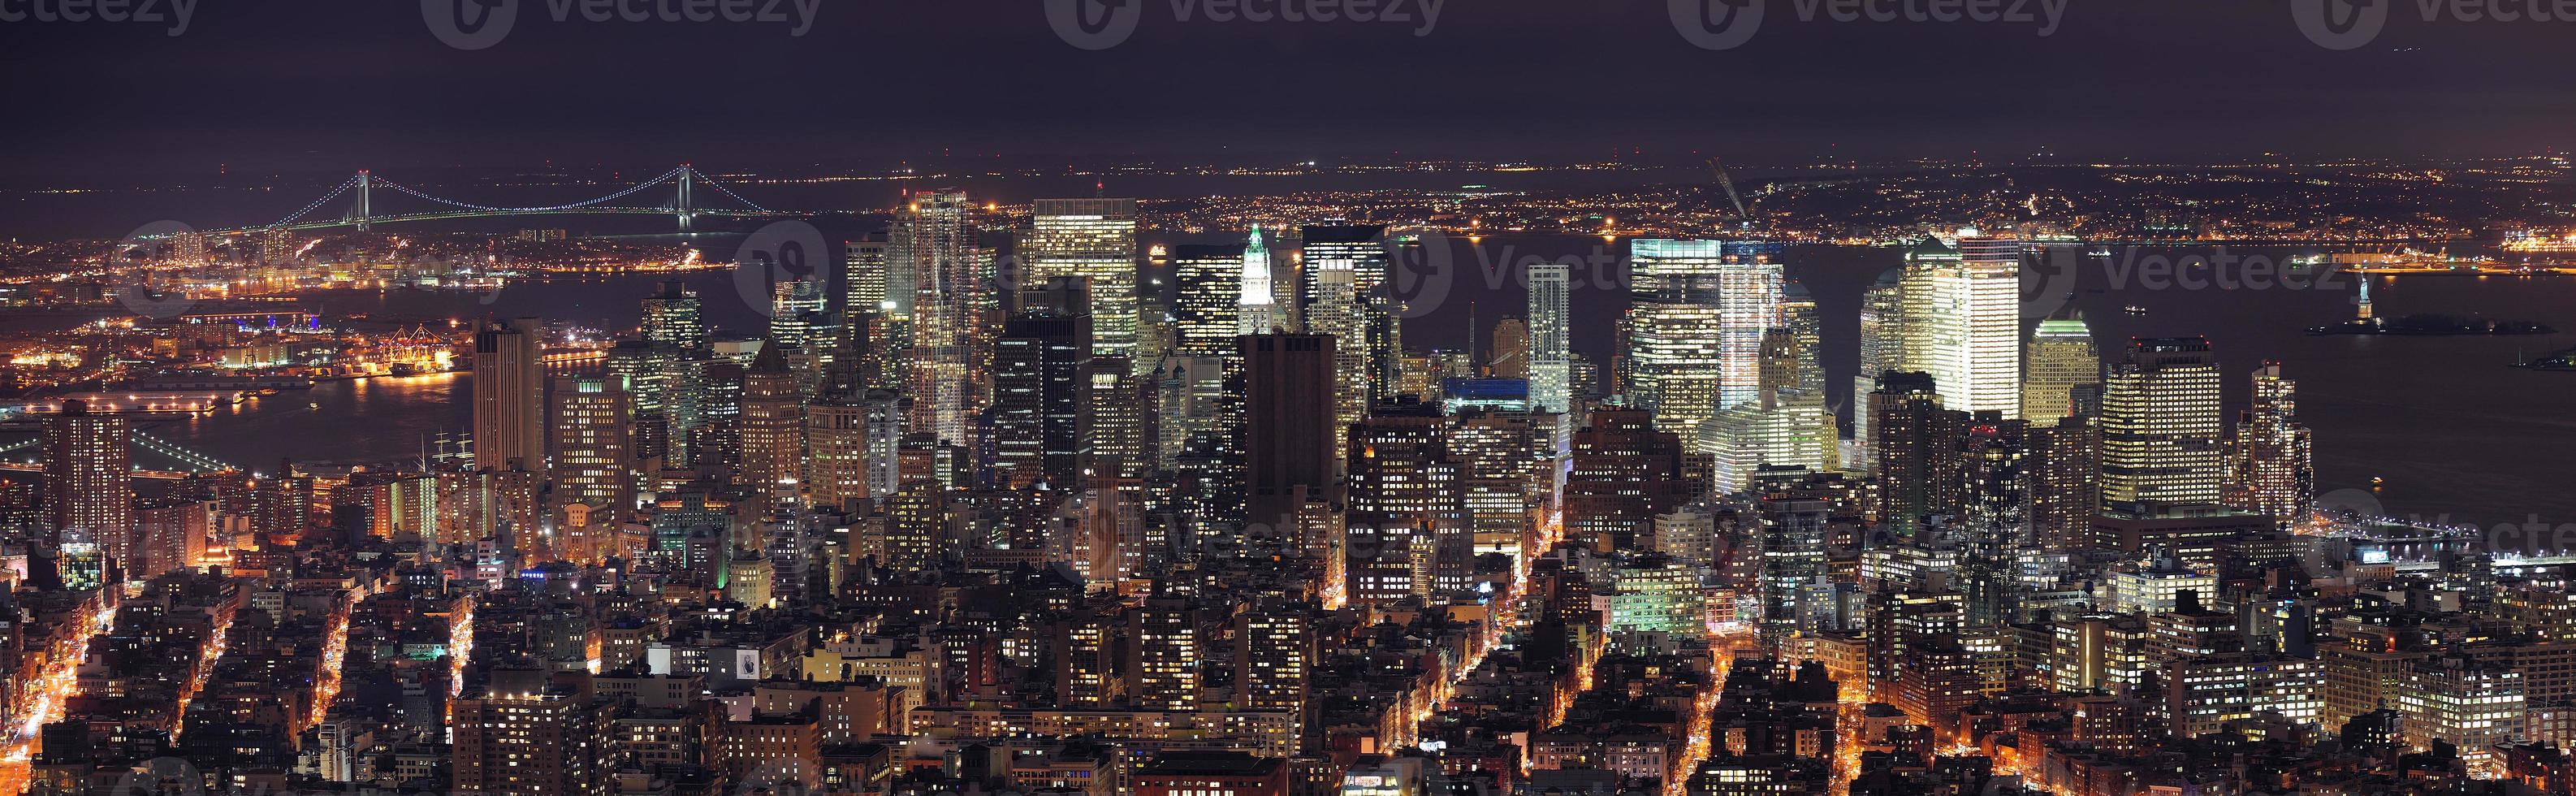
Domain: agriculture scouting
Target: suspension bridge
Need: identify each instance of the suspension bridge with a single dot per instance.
(357, 196)
(192, 462)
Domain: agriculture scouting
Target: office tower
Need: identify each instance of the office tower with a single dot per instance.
(1190, 402)
(1883, 336)
(1790, 428)
(2469, 703)
(1509, 475)
(1094, 239)
(1551, 342)
(1038, 390)
(842, 437)
(864, 266)
(510, 396)
(1965, 317)
(1697, 314)
(673, 317)
(952, 313)
(1508, 356)
(1994, 486)
(1288, 417)
(1336, 312)
(1117, 422)
(1625, 473)
(1256, 309)
(1360, 250)
(1168, 652)
(1792, 554)
(1915, 445)
(2059, 359)
(594, 465)
(1806, 329)
(531, 739)
(884, 420)
(1274, 657)
(2272, 468)
(1207, 313)
(650, 373)
(1787, 426)
(2161, 426)
(794, 308)
(2066, 481)
(89, 475)
(1407, 521)
(772, 423)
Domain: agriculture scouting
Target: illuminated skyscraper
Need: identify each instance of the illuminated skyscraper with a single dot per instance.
(1883, 338)
(1207, 315)
(510, 396)
(1094, 239)
(1509, 475)
(594, 460)
(1336, 312)
(1116, 422)
(1256, 309)
(2161, 427)
(1274, 657)
(1551, 346)
(838, 450)
(794, 307)
(953, 306)
(1407, 522)
(1362, 250)
(1697, 314)
(89, 475)
(673, 317)
(2272, 467)
(863, 274)
(2060, 358)
(772, 424)
(1965, 314)
(1168, 653)
(2066, 479)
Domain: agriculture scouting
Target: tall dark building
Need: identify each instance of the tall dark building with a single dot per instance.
(1038, 391)
(1994, 472)
(1916, 444)
(510, 396)
(1625, 473)
(1287, 420)
(1407, 528)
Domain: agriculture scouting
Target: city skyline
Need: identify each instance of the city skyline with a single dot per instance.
(1287, 398)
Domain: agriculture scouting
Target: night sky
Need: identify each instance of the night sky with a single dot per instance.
(282, 85)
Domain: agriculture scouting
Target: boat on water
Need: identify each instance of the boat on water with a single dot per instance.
(2134, 309)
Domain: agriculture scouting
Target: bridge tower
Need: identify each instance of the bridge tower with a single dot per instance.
(688, 214)
(366, 186)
